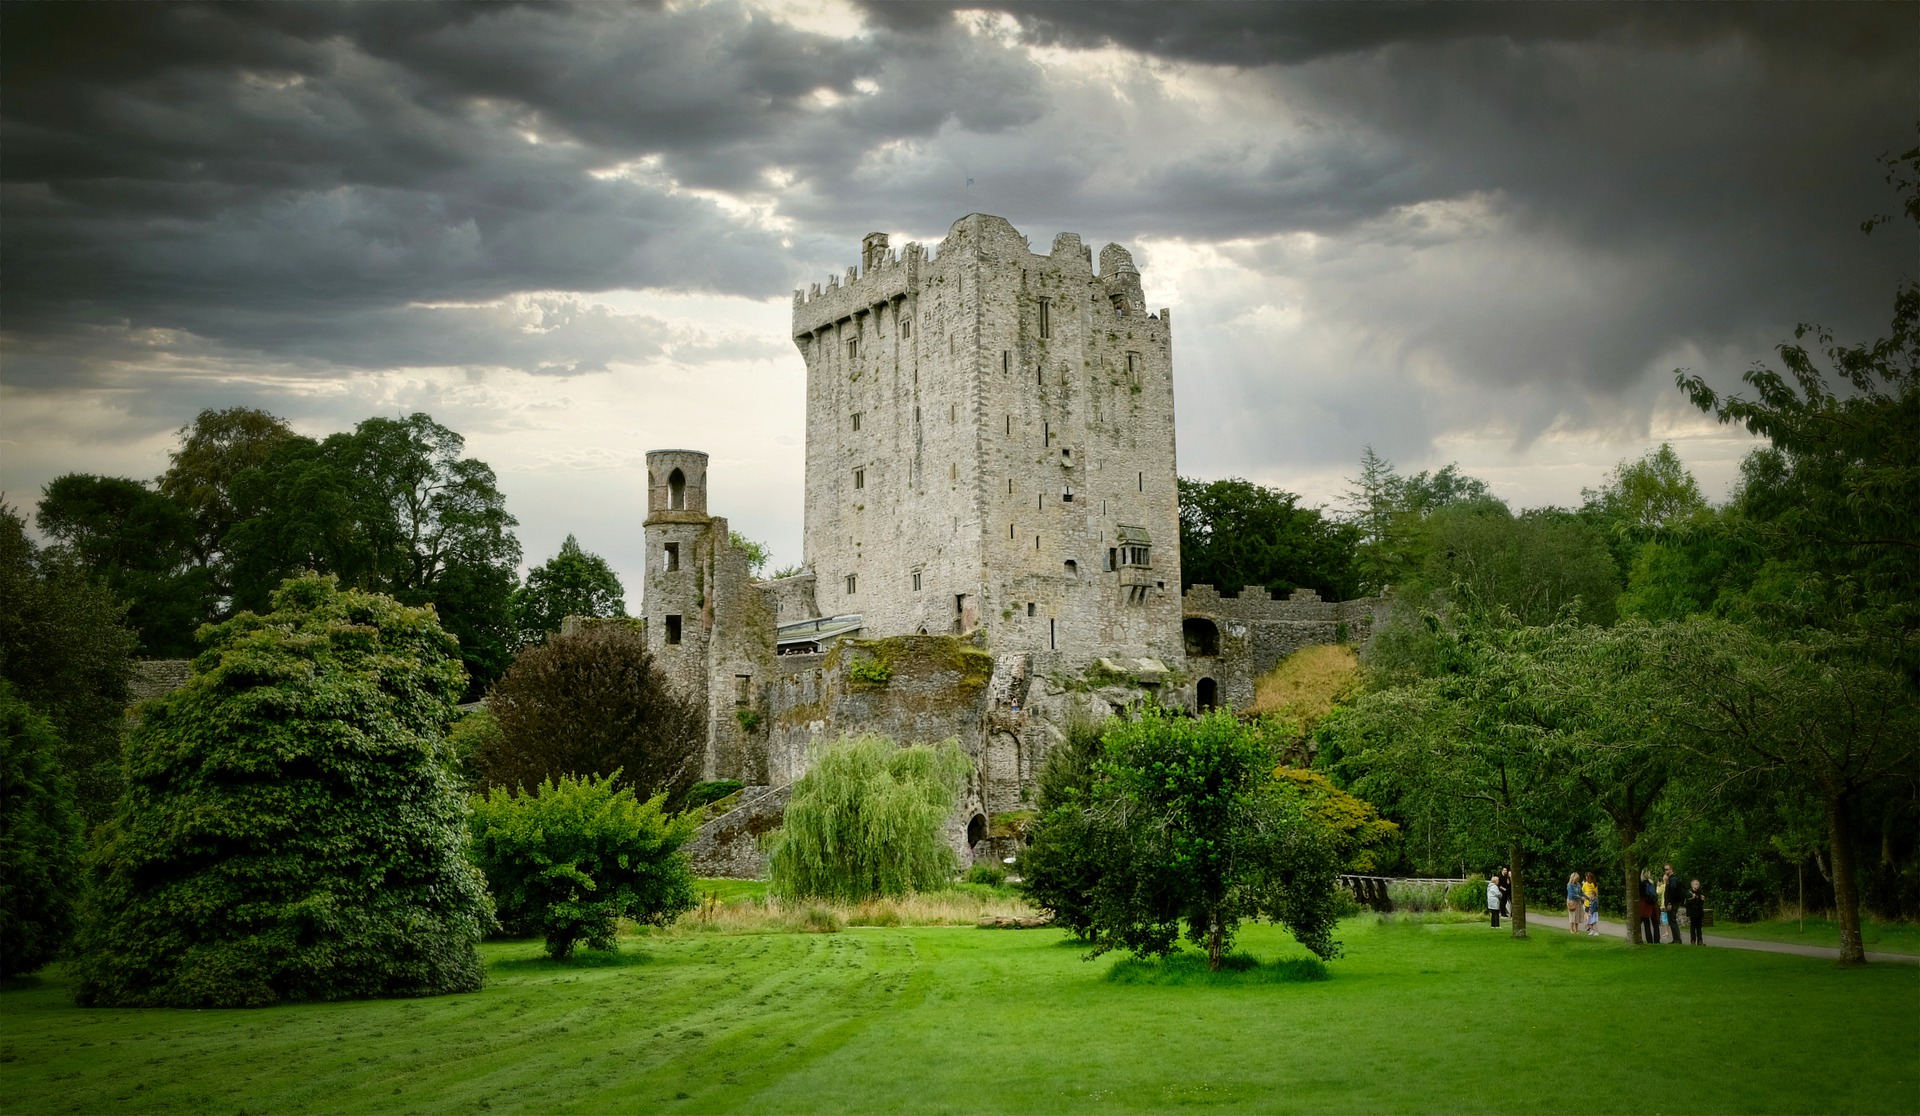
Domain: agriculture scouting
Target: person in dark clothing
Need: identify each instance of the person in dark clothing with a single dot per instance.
(1506, 892)
(1672, 894)
(1649, 909)
(1696, 913)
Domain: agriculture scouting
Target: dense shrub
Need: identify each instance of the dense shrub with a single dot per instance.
(289, 830)
(990, 874)
(1189, 829)
(39, 840)
(591, 703)
(1469, 895)
(866, 820)
(569, 860)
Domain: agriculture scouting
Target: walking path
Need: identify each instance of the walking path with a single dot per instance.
(1619, 930)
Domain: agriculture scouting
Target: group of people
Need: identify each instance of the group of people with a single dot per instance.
(1660, 904)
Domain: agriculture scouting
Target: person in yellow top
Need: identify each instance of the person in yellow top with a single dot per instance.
(1591, 891)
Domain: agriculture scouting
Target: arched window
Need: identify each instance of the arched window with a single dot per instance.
(676, 491)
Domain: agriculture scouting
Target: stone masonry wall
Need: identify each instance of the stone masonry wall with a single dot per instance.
(981, 422)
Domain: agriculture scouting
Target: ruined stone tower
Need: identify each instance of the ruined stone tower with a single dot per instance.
(706, 627)
(990, 447)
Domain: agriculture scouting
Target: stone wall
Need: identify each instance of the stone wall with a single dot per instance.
(981, 423)
(153, 678)
(728, 847)
(1253, 630)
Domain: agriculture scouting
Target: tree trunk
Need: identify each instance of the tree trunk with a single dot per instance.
(1846, 889)
(1629, 835)
(1215, 939)
(1519, 865)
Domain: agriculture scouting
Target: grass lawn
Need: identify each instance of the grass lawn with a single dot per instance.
(1821, 930)
(1417, 1018)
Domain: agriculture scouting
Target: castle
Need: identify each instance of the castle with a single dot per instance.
(992, 543)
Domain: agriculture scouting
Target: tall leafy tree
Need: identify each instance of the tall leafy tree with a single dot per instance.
(290, 830)
(39, 840)
(215, 449)
(1190, 830)
(140, 545)
(1535, 565)
(1812, 710)
(1391, 511)
(394, 508)
(1235, 533)
(591, 703)
(573, 582)
(1471, 726)
(67, 651)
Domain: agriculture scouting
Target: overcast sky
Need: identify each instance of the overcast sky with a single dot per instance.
(1477, 233)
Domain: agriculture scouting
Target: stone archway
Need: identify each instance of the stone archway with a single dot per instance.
(1201, 635)
(1207, 694)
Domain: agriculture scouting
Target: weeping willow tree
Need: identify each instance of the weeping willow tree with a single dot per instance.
(866, 821)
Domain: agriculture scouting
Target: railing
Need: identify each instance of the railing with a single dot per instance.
(1371, 891)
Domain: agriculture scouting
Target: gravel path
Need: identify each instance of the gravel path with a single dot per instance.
(1619, 930)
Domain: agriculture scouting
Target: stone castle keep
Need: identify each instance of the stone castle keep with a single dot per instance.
(991, 538)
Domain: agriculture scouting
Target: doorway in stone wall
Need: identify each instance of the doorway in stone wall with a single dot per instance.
(976, 830)
(1208, 693)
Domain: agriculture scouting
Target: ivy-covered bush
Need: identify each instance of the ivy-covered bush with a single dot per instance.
(866, 820)
(289, 829)
(572, 858)
(39, 840)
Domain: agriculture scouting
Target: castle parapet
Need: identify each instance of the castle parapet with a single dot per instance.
(881, 277)
(1254, 604)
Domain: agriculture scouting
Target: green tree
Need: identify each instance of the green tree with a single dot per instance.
(65, 647)
(571, 583)
(591, 703)
(570, 859)
(866, 820)
(1192, 830)
(1534, 565)
(1813, 710)
(1235, 533)
(39, 840)
(289, 829)
(392, 508)
(1471, 728)
(1058, 868)
(215, 449)
(1391, 512)
(140, 545)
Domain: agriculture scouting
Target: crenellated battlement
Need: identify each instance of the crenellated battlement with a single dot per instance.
(881, 277)
(1254, 605)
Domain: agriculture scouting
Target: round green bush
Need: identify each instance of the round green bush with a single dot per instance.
(290, 830)
(572, 858)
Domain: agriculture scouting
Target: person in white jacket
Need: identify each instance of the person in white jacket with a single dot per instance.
(1493, 897)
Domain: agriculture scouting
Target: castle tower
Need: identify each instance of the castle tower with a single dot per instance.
(990, 446)
(678, 537)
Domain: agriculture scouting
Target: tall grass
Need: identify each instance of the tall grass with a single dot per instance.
(1307, 684)
(964, 905)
